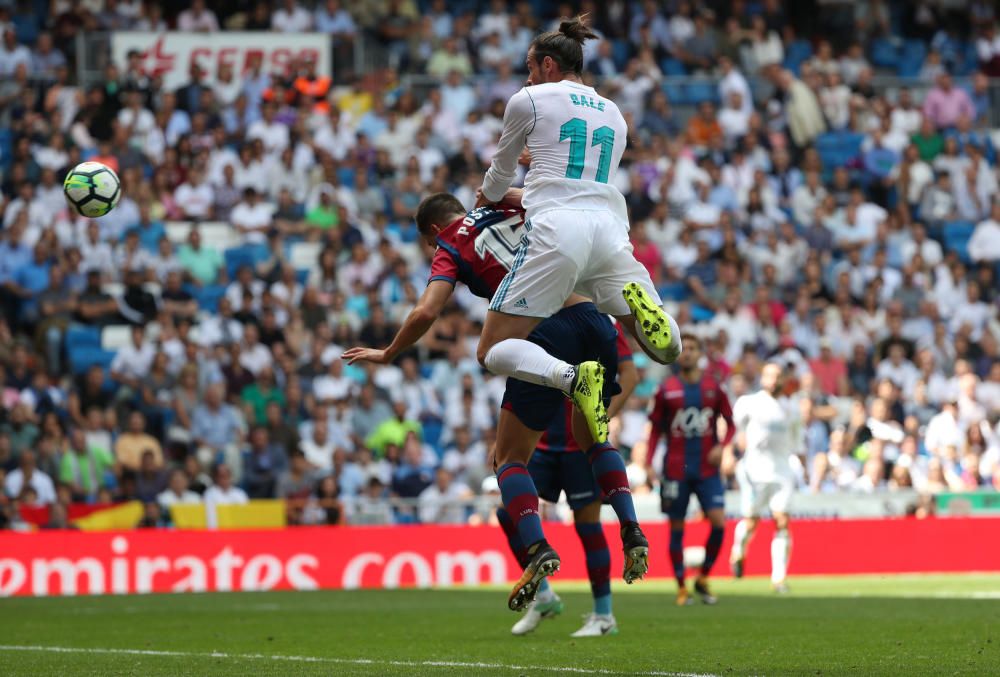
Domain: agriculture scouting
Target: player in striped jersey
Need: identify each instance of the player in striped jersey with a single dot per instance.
(560, 465)
(470, 249)
(687, 409)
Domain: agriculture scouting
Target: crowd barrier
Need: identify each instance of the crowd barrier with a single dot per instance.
(309, 558)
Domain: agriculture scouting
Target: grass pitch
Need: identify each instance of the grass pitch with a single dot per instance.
(892, 625)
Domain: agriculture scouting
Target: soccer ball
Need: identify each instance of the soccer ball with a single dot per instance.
(92, 189)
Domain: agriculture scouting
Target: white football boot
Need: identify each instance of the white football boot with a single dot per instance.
(597, 625)
(535, 613)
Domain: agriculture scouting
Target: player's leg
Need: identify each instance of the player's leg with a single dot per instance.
(753, 498)
(608, 469)
(546, 604)
(621, 286)
(587, 520)
(515, 444)
(674, 498)
(540, 281)
(781, 542)
(712, 497)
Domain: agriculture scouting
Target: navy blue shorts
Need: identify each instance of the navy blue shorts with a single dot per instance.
(556, 471)
(575, 334)
(675, 495)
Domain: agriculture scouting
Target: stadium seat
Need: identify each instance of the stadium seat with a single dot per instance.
(838, 149)
(697, 92)
(701, 313)
(884, 54)
(208, 296)
(956, 238)
(672, 67)
(177, 231)
(796, 53)
(82, 358)
(221, 236)
(673, 291)
(80, 336)
(433, 428)
(115, 336)
(247, 255)
(620, 53)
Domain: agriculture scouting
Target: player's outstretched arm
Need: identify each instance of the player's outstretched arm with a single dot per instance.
(420, 319)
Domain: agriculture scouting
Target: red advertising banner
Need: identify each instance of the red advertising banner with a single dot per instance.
(70, 563)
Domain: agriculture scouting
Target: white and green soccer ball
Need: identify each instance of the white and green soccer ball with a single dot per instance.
(92, 189)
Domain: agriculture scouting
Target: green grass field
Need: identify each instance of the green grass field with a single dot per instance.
(896, 625)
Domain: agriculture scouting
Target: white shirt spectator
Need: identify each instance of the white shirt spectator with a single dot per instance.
(204, 21)
(905, 120)
(168, 498)
(459, 463)
(942, 431)
(442, 507)
(976, 315)
(133, 362)
(904, 374)
(298, 20)
(255, 358)
(216, 329)
(273, 134)
(40, 482)
(735, 122)
(10, 59)
(255, 217)
(195, 200)
(734, 81)
(984, 245)
(329, 387)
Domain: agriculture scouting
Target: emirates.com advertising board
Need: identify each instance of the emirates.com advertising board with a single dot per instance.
(156, 561)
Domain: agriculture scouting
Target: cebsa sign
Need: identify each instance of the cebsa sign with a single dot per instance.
(74, 563)
(171, 54)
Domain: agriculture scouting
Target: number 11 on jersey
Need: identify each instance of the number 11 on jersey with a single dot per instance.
(576, 131)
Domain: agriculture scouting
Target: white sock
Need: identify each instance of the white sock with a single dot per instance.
(741, 537)
(669, 354)
(529, 362)
(781, 546)
(544, 596)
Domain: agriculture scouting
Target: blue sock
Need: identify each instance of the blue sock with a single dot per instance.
(677, 554)
(602, 605)
(598, 557)
(608, 467)
(543, 587)
(520, 498)
(712, 547)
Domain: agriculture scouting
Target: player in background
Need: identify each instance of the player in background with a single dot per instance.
(558, 465)
(687, 409)
(769, 429)
(576, 233)
(477, 248)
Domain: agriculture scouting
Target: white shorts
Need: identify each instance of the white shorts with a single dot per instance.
(775, 495)
(566, 251)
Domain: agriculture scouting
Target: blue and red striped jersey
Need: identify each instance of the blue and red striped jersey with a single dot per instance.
(559, 435)
(478, 249)
(688, 413)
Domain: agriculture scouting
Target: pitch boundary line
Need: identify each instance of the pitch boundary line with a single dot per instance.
(331, 660)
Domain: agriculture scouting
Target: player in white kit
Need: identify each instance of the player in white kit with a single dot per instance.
(575, 238)
(769, 427)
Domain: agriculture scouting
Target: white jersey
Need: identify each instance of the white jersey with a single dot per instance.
(771, 429)
(576, 139)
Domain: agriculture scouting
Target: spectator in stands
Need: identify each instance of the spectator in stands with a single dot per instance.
(151, 478)
(440, 503)
(27, 475)
(202, 264)
(984, 245)
(86, 468)
(216, 427)
(132, 362)
(945, 103)
(134, 442)
(197, 18)
(223, 491)
(177, 491)
(295, 482)
(264, 462)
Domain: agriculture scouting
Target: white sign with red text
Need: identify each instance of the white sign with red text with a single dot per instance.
(171, 54)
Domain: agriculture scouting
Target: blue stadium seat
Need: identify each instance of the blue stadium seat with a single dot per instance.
(911, 58)
(250, 254)
(432, 434)
(698, 92)
(970, 59)
(796, 53)
(208, 296)
(672, 67)
(956, 238)
(837, 149)
(673, 291)
(80, 336)
(884, 54)
(301, 276)
(676, 94)
(81, 358)
(621, 50)
(701, 313)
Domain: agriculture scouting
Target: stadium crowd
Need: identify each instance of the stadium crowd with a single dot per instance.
(186, 346)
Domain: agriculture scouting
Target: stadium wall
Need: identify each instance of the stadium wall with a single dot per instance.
(71, 563)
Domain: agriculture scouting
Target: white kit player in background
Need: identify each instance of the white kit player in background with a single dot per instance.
(576, 233)
(769, 430)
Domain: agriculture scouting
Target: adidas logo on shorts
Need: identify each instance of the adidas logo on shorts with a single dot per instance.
(521, 303)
